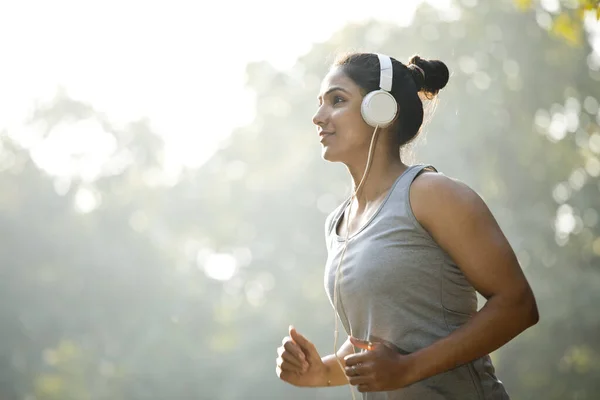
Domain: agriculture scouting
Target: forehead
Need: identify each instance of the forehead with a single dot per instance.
(337, 78)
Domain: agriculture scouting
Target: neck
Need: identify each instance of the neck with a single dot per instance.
(385, 168)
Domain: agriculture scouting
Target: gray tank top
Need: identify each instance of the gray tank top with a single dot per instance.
(399, 286)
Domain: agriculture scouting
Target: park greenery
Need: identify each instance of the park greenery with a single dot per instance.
(120, 284)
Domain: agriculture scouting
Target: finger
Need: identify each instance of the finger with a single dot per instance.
(294, 349)
(357, 358)
(304, 343)
(364, 387)
(356, 370)
(285, 355)
(361, 344)
(288, 339)
(287, 366)
(283, 375)
(286, 376)
(360, 380)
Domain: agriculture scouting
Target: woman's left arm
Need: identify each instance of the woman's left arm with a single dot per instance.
(461, 223)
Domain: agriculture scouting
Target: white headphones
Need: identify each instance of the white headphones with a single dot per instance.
(379, 107)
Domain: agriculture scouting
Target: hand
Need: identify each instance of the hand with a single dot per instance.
(299, 363)
(380, 368)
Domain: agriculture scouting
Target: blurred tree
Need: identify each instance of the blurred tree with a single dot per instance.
(563, 18)
(135, 286)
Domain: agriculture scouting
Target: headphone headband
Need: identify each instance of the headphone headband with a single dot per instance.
(386, 73)
(379, 108)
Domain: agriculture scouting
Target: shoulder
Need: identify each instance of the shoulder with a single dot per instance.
(460, 222)
(429, 186)
(438, 200)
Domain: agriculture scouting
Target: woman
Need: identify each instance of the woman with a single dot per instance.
(407, 253)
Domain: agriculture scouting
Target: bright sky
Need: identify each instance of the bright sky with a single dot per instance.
(180, 64)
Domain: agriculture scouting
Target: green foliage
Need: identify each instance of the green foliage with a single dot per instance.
(120, 299)
(563, 18)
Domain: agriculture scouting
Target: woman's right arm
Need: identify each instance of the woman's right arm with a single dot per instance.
(300, 364)
(336, 375)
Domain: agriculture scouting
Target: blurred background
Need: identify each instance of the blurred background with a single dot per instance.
(162, 194)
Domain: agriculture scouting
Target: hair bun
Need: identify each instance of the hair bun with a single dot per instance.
(434, 77)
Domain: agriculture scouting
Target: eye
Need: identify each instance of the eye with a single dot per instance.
(337, 99)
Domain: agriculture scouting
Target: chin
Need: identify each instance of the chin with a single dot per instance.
(328, 155)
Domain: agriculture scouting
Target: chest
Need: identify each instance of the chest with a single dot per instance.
(358, 219)
(382, 260)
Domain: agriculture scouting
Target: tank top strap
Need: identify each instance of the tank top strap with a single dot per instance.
(411, 174)
(416, 171)
(403, 195)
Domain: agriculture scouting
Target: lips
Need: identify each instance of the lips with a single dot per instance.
(324, 134)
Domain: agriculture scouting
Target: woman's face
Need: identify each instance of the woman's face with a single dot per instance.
(343, 133)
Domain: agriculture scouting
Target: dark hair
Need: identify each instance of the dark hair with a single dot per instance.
(363, 69)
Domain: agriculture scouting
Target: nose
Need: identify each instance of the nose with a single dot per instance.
(319, 118)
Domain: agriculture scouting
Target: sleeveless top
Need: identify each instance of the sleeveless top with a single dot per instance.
(398, 286)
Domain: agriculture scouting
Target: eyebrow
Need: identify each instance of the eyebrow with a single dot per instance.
(332, 89)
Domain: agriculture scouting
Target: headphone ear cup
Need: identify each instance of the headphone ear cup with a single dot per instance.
(379, 108)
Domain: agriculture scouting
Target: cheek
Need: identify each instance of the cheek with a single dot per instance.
(354, 129)
(349, 119)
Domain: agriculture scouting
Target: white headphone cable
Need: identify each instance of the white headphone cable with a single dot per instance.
(339, 270)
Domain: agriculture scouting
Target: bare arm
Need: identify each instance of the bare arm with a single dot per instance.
(461, 223)
(334, 374)
(300, 364)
